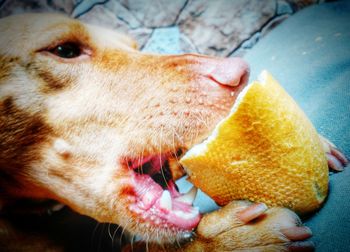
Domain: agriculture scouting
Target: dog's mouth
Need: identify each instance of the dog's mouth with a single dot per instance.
(157, 200)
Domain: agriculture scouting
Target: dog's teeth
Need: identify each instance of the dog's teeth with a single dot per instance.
(187, 235)
(187, 215)
(165, 201)
(57, 207)
(189, 196)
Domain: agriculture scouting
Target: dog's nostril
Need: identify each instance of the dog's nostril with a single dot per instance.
(244, 78)
(229, 71)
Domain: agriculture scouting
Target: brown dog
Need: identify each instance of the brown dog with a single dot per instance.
(82, 111)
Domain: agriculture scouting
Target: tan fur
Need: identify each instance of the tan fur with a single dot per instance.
(67, 125)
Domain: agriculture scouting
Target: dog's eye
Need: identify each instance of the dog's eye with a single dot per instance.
(67, 50)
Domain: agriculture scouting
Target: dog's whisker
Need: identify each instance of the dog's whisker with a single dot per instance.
(163, 247)
(147, 243)
(181, 122)
(197, 133)
(109, 230)
(132, 242)
(122, 233)
(114, 234)
(178, 137)
(110, 225)
(94, 233)
(160, 157)
(142, 155)
(170, 240)
(206, 120)
(206, 123)
(96, 230)
(198, 117)
(191, 139)
(174, 146)
(127, 163)
(139, 168)
(157, 236)
(177, 242)
(102, 235)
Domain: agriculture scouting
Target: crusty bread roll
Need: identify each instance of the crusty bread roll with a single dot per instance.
(266, 150)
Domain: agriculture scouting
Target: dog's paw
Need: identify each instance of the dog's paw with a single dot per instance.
(336, 159)
(244, 226)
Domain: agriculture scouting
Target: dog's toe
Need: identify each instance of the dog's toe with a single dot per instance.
(335, 158)
(243, 226)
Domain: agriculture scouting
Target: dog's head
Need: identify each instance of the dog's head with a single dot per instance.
(87, 120)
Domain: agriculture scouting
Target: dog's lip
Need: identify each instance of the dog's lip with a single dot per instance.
(155, 162)
(161, 207)
(148, 206)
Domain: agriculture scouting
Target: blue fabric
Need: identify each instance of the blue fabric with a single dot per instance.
(310, 55)
(165, 41)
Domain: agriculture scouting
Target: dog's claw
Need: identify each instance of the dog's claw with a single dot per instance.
(297, 233)
(302, 246)
(251, 212)
(336, 159)
(333, 163)
(339, 155)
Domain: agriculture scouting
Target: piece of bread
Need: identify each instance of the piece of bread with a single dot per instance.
(266, 150)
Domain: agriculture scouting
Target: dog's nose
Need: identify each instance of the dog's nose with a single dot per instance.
(228, 71)
(224, 71)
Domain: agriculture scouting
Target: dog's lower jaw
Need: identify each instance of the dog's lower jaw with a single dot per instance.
(156, 214)
(160, 235)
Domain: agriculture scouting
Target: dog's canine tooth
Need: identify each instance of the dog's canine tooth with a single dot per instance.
(165, 201)
(57, 207)
(189, 196)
